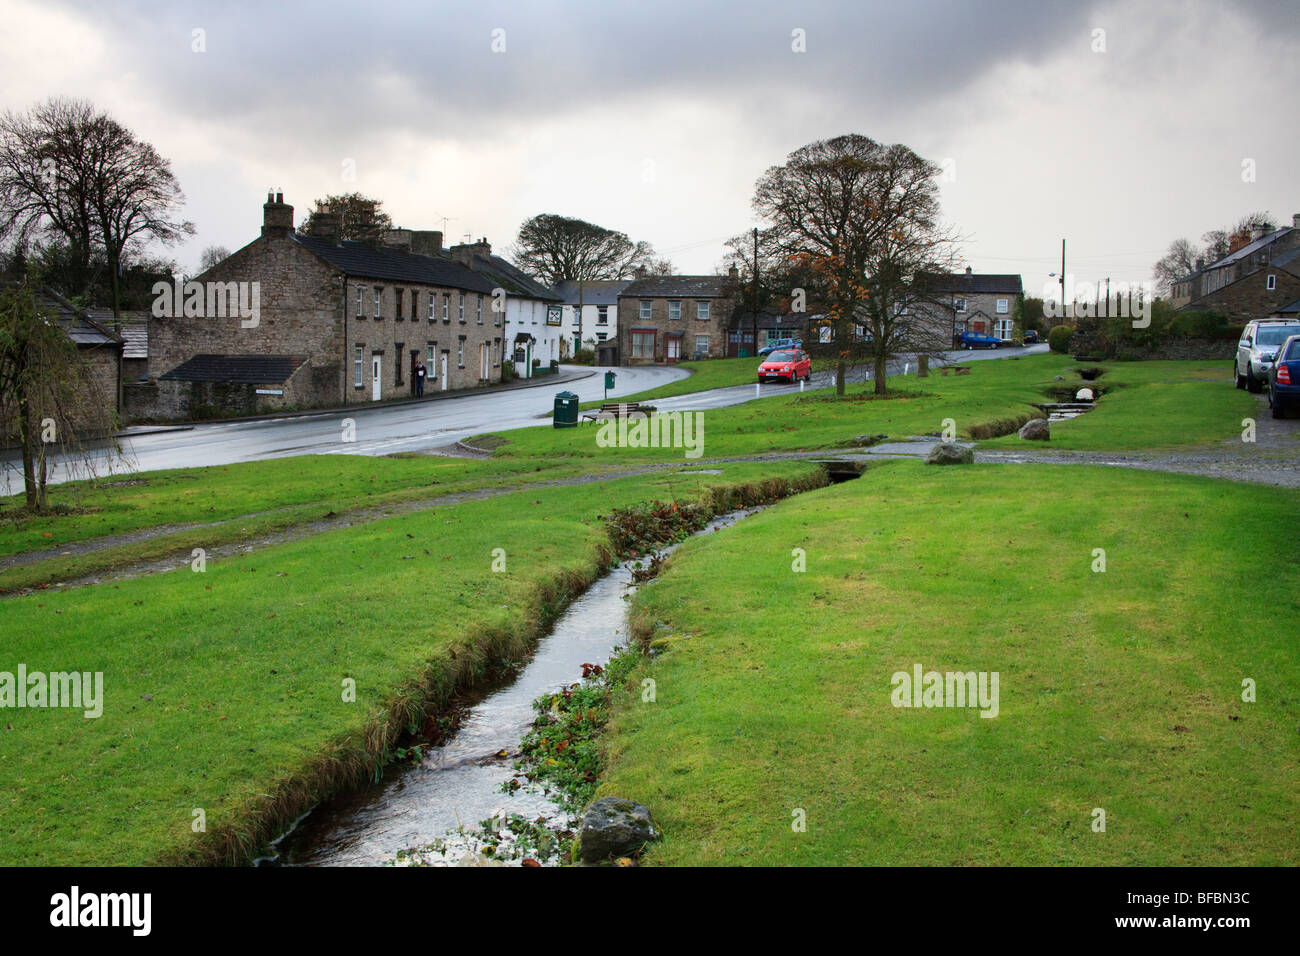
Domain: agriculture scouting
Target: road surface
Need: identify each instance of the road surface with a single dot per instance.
(387, 429)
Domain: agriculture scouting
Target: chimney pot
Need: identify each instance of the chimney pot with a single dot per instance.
(277, 217)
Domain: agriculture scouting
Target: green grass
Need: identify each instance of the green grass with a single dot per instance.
(222, 492)
(1148, 405)
(224, 689)
(714, 373)
(1118, 690)
(1152, 405)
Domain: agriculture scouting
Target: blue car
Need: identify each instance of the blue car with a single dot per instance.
(1284, 378)
(780, 345)
(979, 340)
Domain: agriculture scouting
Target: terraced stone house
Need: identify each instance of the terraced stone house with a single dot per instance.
(666, 319)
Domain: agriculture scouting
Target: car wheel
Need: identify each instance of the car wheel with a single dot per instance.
(1279, 410)
(1253, 385)
(1241, 381)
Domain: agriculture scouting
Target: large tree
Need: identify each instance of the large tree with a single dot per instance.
(1179, 259)
(863, 219)
(70, 171)
(360, 217)
(560, 248)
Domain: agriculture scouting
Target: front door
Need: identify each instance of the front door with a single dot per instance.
(415, 362)
(443, 371)
(674, 344)
(376, 381)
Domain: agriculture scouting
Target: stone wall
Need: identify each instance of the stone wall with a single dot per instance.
(1093, 345)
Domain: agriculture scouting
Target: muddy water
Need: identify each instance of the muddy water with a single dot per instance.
(458, 785)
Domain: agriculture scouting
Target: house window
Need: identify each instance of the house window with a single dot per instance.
(601, 336)
(460, 349)
(361, 302)
(959, 305)
(499, 350)
(397, 310)
(675, 309)
(433, 298)
(478, 310)
(496, 312)
(1002, 306)
(431, 363)
(397, 363)
(460, 314)
(1272, 282)
(643, 343)
(446, 307)
(602, 315)
(702, 311)
(701, 345)
(1003, 327)
(379, 300)
(358, 367)
(645, 308)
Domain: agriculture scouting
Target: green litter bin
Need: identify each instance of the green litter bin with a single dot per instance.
(566, 410)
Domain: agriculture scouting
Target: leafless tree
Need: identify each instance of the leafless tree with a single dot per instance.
(1178, 261)
(210, 256)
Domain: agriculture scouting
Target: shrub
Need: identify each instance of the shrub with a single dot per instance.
(508, 371)
(585, 357)
(1058, 340)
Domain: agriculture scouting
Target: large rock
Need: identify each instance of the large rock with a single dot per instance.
(1084, 395)
(950, 453)
(614, 827)
(1035, 429)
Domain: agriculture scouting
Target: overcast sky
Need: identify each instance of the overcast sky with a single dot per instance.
(657, 118)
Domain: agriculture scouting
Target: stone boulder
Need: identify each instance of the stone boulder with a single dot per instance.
(614, 827)
(1036, 429)
(950, 453)
(1084, 395)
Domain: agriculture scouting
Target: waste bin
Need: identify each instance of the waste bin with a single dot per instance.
(566, 410)
(609, 380)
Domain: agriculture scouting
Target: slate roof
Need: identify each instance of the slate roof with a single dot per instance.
(1291, 308)
(594, 292)
(237, 369)
(135, 330)
(975, 283)
(79, 326)
(1250, 247)
(515, 281)
(363, 261)
(687, 287)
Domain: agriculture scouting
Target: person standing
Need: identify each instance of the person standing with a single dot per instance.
(419, 380)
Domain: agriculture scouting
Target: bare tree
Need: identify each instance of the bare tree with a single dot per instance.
(48, 398)
(360, 217)
(210, 256)
(559, 248)
(863, 219)
(1179, 260)
(1221, 242)
(70, 170)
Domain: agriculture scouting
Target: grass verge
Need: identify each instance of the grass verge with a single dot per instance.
(1120, 690)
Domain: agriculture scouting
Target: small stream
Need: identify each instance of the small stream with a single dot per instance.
(440, 800)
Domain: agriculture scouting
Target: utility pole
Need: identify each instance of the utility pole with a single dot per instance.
(1063, 313)
(755, 290)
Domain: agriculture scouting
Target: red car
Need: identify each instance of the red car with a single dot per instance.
(790, 364)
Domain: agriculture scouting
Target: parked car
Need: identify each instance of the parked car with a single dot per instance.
(780, 344)
(790, 364)
(979, 340)
(1284, 378)
(1257, 349)
(1031, 337)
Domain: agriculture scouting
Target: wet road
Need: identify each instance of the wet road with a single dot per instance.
(415, 427)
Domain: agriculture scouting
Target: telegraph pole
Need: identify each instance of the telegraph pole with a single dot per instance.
(756, 290)
(1063, 314)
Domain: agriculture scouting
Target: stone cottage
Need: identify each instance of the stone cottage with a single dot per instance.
(674, 318)
(322, 322)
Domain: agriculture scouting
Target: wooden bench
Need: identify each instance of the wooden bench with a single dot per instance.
(615, 410)
(956, 369)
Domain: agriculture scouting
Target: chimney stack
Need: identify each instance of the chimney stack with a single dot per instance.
(733, 274)
(277, 217)
(1295, 220)
(1200, 264)
(426, 242)
(466, 251)
(1256, 233)
(399, 239)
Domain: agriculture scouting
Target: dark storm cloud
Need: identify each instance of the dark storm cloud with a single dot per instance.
(320, 69)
